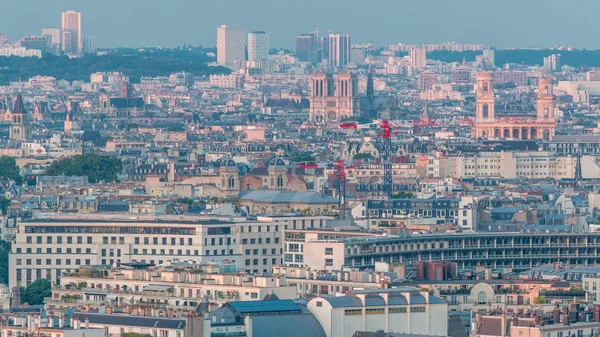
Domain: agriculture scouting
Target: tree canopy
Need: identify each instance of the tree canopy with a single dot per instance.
(403, 195)
(4, 251)
(363, 156)
(34, 293)
(131, 62)
(94, 166)
(303, 158)
(573, 58)
(9, 170)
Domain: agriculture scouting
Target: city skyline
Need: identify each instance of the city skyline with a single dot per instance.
(502, 25)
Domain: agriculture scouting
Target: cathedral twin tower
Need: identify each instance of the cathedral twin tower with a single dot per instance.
(524, 126)
(333, 98)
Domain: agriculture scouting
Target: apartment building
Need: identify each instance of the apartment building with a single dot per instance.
(45, 248)
(520, 251)
(323, 242)
(179, 287)
(527, 164)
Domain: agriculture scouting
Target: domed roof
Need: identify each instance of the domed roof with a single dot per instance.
(202, 306)
(271, 297)
(228, 162)
(277, 163)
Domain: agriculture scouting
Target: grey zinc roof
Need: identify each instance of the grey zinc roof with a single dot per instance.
(417, 299)
(397, 300)
(374, 301)
(287, 325)
(343, 301)
(436, 300)
(285, 196)
(127, 320)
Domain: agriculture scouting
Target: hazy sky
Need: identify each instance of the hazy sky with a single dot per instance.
(499, 23)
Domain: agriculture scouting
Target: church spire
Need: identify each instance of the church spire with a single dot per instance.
(370, 86)
(19, 107)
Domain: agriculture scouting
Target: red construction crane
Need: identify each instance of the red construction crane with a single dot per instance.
(347, 126)
(340, 173)
(305, 165)
(386, 155)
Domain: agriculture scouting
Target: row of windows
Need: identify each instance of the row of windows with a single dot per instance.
(260, 241)
(39, 262)
(112, 229)
(254, 262)
(19, 250)
(155, 241)
(113, 240)
(59, 239)
(379, 311)
(264, 251)
(294, 258)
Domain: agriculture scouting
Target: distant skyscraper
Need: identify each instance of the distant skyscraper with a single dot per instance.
(339, 50)
(418, 58)
(322, 48)
(231, 46)
(358, 55)
(67, 42)
(89, 44)
(258, 46)
(306, 47)
(489, 57)
(71, 23)
(34, 42)
(53, 38)
(552, 62)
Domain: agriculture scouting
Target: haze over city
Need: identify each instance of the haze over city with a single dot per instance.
(336, 168)
(501, 24)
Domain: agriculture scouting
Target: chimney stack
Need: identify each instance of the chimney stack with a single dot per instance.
(556, 315)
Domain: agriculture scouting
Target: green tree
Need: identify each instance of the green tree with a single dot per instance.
(95, 167)
(303, 158)
(135, 334)
(540, 300)
(363, 156)
(35, 293)
(4, 251)
(403, 195)
(188, 201)
(4, 203)
(9, 170)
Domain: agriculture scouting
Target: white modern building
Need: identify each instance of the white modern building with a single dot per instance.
(489, 56)
(46, 248)
(339, 50)
(53, 38)
(231, 46)
(20, 51)
(72, 42)
(258, 46)
(401, 310)
(418, 58)
(89, 45)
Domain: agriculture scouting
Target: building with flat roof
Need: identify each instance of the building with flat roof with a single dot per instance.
(231, 46)
(519, 251)
(72, 41)
(46, 248)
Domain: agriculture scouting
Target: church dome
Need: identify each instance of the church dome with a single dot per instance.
(277, 163)
(228, 164)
